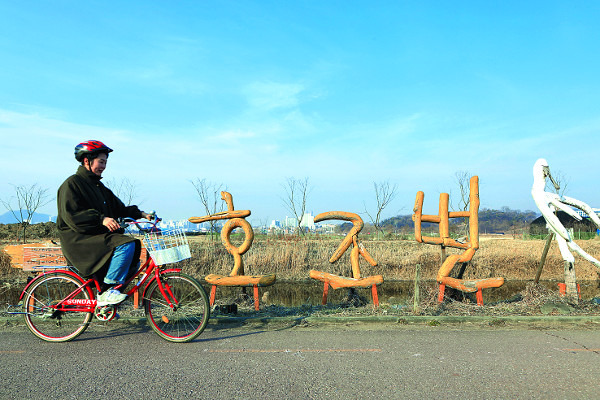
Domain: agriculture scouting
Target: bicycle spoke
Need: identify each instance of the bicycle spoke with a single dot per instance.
(46, 322)
(187, 318)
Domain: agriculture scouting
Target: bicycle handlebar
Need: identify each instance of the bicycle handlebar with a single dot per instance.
(126, 222)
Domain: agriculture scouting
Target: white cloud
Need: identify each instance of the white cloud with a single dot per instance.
(272, 95)
(252, 157)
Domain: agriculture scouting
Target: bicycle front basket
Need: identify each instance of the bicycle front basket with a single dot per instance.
(167, 246)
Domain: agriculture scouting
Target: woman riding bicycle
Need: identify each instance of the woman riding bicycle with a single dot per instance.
(91, 238)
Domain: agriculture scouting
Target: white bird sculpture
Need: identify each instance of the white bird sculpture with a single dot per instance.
(548, 203)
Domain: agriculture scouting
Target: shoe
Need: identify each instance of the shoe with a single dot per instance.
(111, 296)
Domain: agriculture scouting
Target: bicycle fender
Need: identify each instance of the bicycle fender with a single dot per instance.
(64, 271)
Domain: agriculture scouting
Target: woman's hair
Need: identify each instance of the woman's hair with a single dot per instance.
(92, 156)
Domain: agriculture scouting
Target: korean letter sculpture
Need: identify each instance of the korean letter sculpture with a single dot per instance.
(236, 277)
(351, 239)
(470, 245)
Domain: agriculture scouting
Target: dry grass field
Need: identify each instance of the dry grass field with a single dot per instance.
(292, 258)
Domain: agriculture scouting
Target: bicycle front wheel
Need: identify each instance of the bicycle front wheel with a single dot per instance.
(48, 323)
(182, 313)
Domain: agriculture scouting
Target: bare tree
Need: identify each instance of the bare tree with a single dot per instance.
(462, 179)
(28, 200)
(264, 224)
(296, 191)
(384, 194)
(124, 189)
(561, 180)
(209, 194)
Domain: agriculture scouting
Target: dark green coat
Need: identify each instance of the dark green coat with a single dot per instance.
(83, 202)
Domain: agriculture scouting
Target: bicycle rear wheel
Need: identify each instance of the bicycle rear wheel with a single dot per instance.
(47, 323)
(189, 313)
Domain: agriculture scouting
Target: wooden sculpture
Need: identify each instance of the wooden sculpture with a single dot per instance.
(548, 203)
(236, 277)
(470, 245)
(358, 249)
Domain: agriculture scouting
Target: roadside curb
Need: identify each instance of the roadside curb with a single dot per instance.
(431, 320)
(423, 320)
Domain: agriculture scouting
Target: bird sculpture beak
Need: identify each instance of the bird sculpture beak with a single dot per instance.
(548, 175)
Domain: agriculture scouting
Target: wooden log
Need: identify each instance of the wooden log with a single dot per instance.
(337, 281)
(472, 285)
(220, 215)
(544, 255)
(357, 225)
(240, 280)
(374, 295)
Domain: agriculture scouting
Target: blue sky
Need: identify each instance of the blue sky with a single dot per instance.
(346, 93)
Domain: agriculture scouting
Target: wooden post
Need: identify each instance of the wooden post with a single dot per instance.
(325, 290)
(571, 282)
(417, 295)
(374, 295)
(479, 297)
(544, 254)
(136, 298)
(256, 306)
(442, 289)
(213, 292)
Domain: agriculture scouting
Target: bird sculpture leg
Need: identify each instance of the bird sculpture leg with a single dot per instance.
(569, 261)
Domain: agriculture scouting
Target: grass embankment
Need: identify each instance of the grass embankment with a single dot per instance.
(292, 258)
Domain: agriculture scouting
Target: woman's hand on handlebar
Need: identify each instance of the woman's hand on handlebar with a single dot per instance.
(149, 216)
(111, 224)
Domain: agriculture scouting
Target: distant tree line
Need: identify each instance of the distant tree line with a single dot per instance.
(504, 220)
(44, 230)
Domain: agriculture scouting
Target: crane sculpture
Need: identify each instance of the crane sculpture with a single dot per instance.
(548, 203)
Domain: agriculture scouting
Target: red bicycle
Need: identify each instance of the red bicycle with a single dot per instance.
(59, 305)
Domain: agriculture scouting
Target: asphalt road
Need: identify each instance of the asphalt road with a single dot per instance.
(304, 362)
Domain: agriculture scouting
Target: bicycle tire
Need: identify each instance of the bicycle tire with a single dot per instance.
(46, 323)
(185, 321)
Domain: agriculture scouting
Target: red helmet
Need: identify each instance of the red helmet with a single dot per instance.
(90, 147)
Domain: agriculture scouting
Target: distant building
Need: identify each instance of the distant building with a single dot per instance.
(275, 224)
(289, 224)
(584, 215)
(308, 222)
